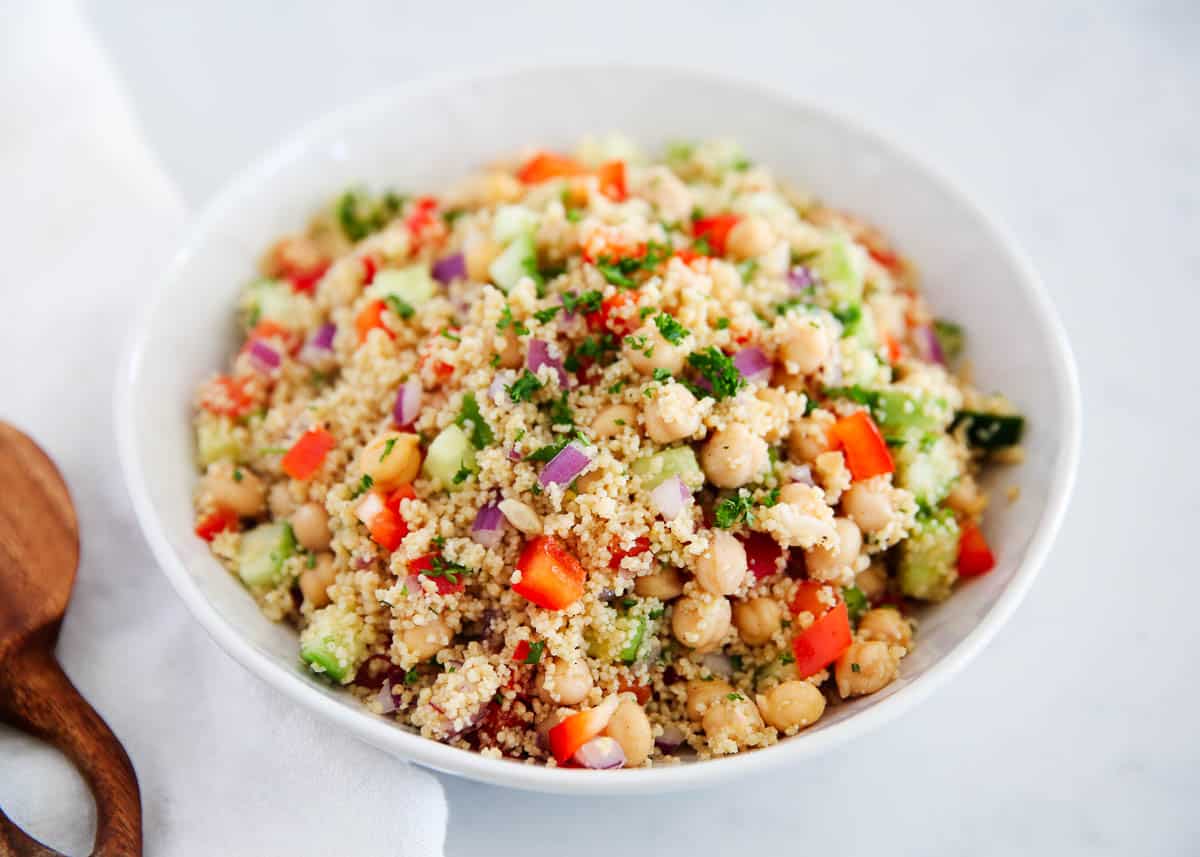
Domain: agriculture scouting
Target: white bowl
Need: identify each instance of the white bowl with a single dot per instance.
(421, 136)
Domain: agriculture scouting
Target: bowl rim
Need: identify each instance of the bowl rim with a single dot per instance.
(380, 733)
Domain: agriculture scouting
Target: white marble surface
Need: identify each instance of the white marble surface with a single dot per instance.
(1075, 732)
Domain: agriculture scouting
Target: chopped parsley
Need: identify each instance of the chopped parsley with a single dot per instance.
(613, 272)
(671, 330)
(387, 448)
(637, 342)
(462, 475)
(447, 570)
(747, 269)
(535, 652)
(591, 348)
(522, 389)
(787, 658)
(662, 375)
(238, 476)
(616, 388)
(453, 337)
(587, 302)
(645, 311)
(733, 510)
(854, 668)
(494, 361)
(734, 697)
(545, 453)
(358, 215)
(717, 368)
(439, 542)
(722, 323)
(364, 485)
(785, 306)
(657, 613)
(574, 215)
(856, 602)
(506, 321)
(400, 307)
(452, 214)
(620, 272)
(561, 413)
(411, 677)
(311, 562)
(771, 499)
(481, 432)
(545, 315)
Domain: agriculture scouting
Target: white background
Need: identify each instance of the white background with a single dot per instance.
(1077, 124)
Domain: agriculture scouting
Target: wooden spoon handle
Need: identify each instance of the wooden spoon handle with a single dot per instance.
(37, 696)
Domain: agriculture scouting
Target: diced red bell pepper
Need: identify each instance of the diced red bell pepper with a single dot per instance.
(547, 165)
(893, 348)
(422, 221)
(640, 546)
(715, 230)
(227, 397)
(617, 313)
(404, 491)
(823, 641)
(307, 454)
(299, 261)
(612, 180)
(974, 555)
(807, 599)
(687, 255)
(371, 317)
(576, 730)
(521, 651)
(423, 565)
(550, 576)
(762, 554)
(215, 522)
(641, 691)
(267, 329)
(866, 451)
(370, 269)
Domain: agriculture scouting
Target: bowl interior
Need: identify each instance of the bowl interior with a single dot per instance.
(421, 137)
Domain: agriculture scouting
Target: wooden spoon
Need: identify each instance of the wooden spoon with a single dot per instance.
(39, 552)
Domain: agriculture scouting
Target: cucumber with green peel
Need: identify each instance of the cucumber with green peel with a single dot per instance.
(899, 413)
(929, 557)
(262, 552)
(678, 461)
(841, 266)
(449, 457)
(512, 221)
(619, 640)
(273, 300)
(331, 644)
(517, 260)
(215, 440)
(928, 468)
(951, 338)
(413, 285)
(635, 635)
(990, 431)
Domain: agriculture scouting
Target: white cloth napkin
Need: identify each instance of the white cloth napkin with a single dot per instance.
(226, 765)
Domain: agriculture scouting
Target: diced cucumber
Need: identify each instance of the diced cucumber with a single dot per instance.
(991, 431)
(215, 440)
(840, 266)
(951, 337)
(512, 221)
(413, 285)
(928, 468)
(928, 557)
(899, 413)
(448, 455)
(262, 552)
(766, 203)
(331, 644)
(517, 260)
(678, 461)
(633, 639)
(273, 300)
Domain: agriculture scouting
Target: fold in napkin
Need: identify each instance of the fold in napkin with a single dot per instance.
(226, 765)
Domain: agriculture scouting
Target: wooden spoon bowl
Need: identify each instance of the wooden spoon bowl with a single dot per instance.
(39, 554)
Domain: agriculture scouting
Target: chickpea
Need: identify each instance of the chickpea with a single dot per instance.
(392, 458)
(662, 354)
(751, 236)
(721, 569)
(864, 668)
(757, 620)
(613, 420)
(734, 717)
(701, 694)
(425, 641)
(886, 625)
(630, 728)
(500, 187)
(480, 254)
(235, 488)
(521, 516)
(873, 581)
(733, 456)
(791, 706)
(665, 584)
(544, 726)
(808, 439)
(780, 377)
(868, 504)
(310, 523)
(824, 563)
(965, 497)
(672, 414)
(777, 411)
(509, 348)
(804, 346)
(701, 621)
(565, 682)
(315, 581)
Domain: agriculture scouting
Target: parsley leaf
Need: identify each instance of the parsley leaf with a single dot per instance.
(856, 602)
(506, 321)
(733, 510)
(722, 323)
(718, 369)
(613, 273)
(481, 432)
(453, 337)
(545, 315)
(387, 448)
(444, 568)
(671, 330)
(401, 308)
(560, 412)
(363, 487)
(588, 302)
(523, 388)
(535, 652)
(463, 474)
(547, 452)
(662, 375)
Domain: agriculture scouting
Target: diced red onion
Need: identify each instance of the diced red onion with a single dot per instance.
(802, 473)
(539, 356)
(718, 664)
(323, 338)
(930, 345)
(264, 357)
(669, 498)
(600, 754)
(318, 351)
(670, 739)
(514, 455)
(564, 467)
(496, 391)
(800, 278)
(408, 402)
(488, 528)
(753, 364)
(386, 700)
(369, 508)
(450, 268)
